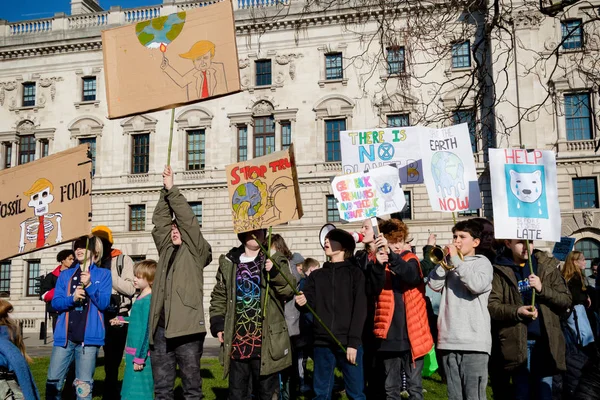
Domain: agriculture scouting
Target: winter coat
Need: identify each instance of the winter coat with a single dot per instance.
(508, 329)
(589, 384)
(121, 285)
(337, 294)
(180, 289)
(464, 320)
(47, 289)
(579, 296)
(426, 264)
(98, 294)
(292, 314)
(276, 351)
(374, 282)
(404, 287)
(12, 360)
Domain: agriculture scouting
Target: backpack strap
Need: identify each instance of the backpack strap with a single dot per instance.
(120, 259)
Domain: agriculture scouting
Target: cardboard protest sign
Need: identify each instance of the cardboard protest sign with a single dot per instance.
(524, 194)
(45, 202)
(264, 191)
(449, 169)
(563, 248)
(363, 150)
(368, 194)
(171, 60)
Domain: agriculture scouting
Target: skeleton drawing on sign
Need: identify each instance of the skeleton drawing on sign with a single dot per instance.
(36, 229)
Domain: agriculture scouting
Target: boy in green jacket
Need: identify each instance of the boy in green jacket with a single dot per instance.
(247, 315)
(176, 311)
(528, 346)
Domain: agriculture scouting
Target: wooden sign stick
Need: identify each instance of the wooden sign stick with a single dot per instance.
(171, 136)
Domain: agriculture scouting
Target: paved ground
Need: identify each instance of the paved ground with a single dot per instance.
(37, 348)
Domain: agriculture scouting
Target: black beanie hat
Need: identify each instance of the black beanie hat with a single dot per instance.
(342, 237)
(242, 235)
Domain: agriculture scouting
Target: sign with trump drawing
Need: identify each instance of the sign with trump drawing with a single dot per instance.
(171, 60)
(45, 202)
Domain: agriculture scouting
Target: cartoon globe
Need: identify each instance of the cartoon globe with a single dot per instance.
(160, 32)
(247, 193)
(448, 173)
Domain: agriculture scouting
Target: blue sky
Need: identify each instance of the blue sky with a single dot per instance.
(18, 10)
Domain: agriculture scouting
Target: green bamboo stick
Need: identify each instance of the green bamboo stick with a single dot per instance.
(171, 136)
(530, 273)
(268, 275)
(454, 217)
(297, 293)
(87, 244)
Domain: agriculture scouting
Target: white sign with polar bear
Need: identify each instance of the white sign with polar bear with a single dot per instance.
(524, 194)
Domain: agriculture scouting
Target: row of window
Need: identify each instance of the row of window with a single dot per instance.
(578, 124)
(33, 272)
(88, 92)
(572, 38)
(26, 150)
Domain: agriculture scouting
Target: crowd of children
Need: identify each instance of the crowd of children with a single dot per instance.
(506, 312)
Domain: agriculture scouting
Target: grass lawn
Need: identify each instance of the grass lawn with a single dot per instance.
(214, 387)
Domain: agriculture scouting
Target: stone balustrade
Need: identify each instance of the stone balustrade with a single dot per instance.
(581, 145)
(141, 14)
(113, 17)
(81, 21)
(30, 27)
(586, 147)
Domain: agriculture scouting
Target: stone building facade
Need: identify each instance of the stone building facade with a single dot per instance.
(299, 86)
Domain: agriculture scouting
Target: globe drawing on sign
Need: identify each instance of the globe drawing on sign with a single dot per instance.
(448, 173)
(247, 197)
(158, 33)
(386, 188)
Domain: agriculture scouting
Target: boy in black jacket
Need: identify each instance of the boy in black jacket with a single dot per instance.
(337, 294)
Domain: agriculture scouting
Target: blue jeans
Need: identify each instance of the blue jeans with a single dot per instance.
(85, 364)
(527, 381)
(325, 360)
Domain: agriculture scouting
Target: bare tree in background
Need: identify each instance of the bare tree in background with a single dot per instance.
(426, 31)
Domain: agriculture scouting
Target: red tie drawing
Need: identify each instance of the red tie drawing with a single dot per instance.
(204, 86)
(41, 233)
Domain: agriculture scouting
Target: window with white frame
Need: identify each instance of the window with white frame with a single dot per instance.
(334, 68)
(461, 55)
(572, 34)
(395, 60)
(578, 116)
(398, 120)
(89, 88)
(196, 150)
(91, 142)
(242, 142)
(28, 94)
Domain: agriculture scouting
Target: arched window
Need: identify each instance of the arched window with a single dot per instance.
(590, 249)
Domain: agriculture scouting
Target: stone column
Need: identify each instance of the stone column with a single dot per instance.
(14, 154)
(250, 140)
(278, 135)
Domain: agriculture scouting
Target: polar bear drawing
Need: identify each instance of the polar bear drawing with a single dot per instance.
(526, 186)
(526, 191)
